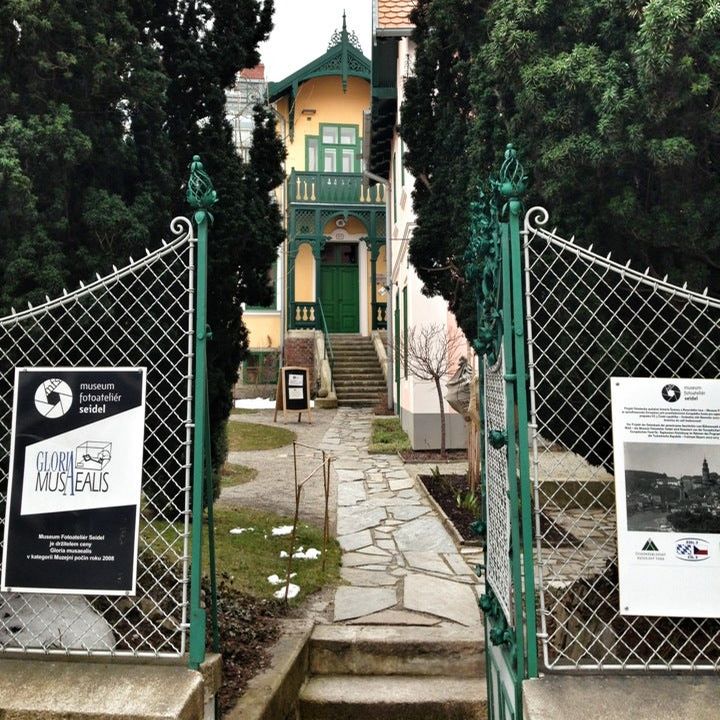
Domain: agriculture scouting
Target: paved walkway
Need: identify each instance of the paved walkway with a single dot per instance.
(401, 565)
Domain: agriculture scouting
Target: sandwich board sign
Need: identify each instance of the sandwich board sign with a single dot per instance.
(73, 504)
(293, 392)
(666, 437)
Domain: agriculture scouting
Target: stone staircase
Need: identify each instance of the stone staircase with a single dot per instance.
(357, 375)
(394, 673)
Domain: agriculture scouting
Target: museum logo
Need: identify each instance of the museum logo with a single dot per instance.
(53, 398)
(692, 549)
(671, 393)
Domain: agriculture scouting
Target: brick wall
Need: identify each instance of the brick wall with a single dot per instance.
(300, 352)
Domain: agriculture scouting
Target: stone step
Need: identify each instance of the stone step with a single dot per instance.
(396, 650)
(359, 402)
(368, 384)
(360, 393)
(61, 689)
(347, 697)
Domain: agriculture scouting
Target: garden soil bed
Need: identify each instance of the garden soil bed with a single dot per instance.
(433, 456)
(248, 628)
(444, 489)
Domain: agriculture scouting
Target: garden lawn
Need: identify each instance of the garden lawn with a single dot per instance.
(244, 436)
(249, 558)
(387, 436)
(236, 475)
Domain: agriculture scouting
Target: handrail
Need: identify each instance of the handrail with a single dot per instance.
(329, 355)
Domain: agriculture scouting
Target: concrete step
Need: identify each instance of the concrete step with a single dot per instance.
(359, 380)
(622, 697)
(346, 697)
(396, 650)
(359, 402)
(61, 689)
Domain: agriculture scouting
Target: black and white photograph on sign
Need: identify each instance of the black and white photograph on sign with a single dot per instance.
(666, 457)
(295, 380)
(72, 514)
(672, 487)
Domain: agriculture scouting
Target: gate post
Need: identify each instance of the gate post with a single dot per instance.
(513, 184)
(201, 197)
(494, 265)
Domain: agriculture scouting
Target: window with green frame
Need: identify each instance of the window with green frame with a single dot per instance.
(261, 367)
(337, 149)
(272, 283)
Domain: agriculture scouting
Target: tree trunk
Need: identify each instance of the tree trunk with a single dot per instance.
(442, 416)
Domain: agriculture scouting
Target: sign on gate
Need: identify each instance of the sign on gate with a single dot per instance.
(72, 515)
(666, 436)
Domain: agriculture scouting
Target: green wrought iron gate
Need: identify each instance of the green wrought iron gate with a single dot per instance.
(555, 322)
(151, 314)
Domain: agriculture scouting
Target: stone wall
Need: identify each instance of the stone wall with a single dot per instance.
(300, 352)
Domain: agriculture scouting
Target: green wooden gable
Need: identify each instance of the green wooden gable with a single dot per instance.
(343, 58)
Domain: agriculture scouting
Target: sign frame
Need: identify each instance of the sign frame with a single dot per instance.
(293, 392)
(75, 480)
(666, 437)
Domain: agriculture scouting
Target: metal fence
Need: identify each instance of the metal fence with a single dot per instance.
(589, 318)
(140, 315)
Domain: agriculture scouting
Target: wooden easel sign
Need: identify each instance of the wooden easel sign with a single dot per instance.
(293, 392)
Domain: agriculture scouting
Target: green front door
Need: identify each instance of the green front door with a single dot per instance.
(339, 288)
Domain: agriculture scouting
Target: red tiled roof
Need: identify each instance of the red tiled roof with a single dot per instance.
(394, 14)
(255, 73)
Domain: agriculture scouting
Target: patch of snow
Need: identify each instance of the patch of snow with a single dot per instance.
(292, 591)
(276, 579)
(300, 554)
(240, 531)
(257, 403)
(282, 530)
(53, 621)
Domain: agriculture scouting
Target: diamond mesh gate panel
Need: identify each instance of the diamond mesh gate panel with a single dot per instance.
(141, 315)
(589, 319)
(498, 570)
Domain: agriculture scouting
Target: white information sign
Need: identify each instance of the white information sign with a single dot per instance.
(666, 436)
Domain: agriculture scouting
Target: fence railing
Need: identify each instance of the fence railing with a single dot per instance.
(142, 315)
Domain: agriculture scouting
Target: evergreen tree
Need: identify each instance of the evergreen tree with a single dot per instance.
(614, 107)
(102, 105)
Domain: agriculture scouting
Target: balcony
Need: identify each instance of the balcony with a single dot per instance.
(335, 188)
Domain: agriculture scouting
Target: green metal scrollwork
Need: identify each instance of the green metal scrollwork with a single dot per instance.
(482, 260)
(201, 195)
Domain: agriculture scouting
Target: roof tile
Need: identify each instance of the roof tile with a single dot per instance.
(394, 14)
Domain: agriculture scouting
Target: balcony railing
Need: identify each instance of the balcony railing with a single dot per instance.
(341, 188)
(303, 315)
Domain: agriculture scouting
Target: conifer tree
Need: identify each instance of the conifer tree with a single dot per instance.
(615, 110)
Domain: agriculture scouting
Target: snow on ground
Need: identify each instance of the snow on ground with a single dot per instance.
(259, 403)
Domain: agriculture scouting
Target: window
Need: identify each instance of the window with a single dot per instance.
(261, 367)
(336, 149)
(312, 153)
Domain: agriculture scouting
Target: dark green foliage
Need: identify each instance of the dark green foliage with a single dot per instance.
(614, 107)
(102, 105)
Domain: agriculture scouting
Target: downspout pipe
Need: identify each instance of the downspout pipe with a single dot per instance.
(389, 309)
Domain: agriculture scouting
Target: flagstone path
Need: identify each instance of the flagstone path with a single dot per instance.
(401, 565)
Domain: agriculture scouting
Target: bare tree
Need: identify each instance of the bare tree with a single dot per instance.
(428, 355)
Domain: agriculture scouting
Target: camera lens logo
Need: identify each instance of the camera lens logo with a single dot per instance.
(671, 393)
(53, 398)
